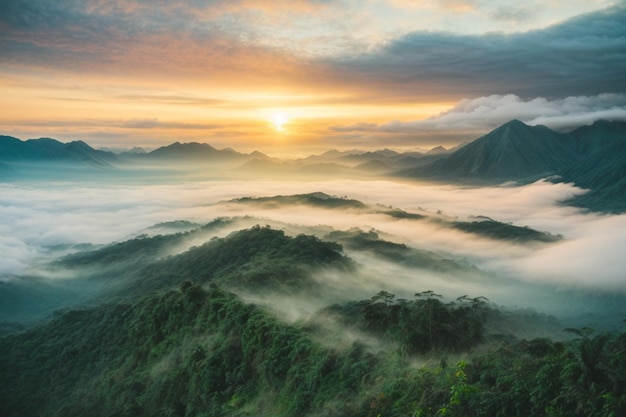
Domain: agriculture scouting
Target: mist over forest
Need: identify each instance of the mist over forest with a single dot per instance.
(207, 282)
(312, 208)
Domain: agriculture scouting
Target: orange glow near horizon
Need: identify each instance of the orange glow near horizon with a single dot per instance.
(122, 115)
(298, 75)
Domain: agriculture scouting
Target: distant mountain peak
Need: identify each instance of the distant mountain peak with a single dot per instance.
(137, 150)
(190, 149)
(437, 150)
(515, 122)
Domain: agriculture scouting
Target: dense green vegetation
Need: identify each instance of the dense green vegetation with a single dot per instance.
(170, 339)
(486, 227)
(258, 259)
(317, 199)
(604, 175)
(186, 352)
(139, 249)
(416, 326)
(370, 241)
(196, 352)
(503, 231)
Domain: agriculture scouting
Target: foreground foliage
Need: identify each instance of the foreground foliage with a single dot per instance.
(196, 352)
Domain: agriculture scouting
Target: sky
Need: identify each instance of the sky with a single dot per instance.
(289, 77)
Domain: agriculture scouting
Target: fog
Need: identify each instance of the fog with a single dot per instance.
(40, 222)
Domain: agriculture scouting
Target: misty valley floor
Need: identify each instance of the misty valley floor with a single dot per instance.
(321, 298)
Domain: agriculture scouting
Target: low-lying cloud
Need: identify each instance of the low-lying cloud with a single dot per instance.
(37, 219)
(485, 113)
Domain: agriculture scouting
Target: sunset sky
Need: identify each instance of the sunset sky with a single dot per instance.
(304, 75)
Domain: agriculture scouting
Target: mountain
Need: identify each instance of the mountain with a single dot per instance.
(591, 157)
(374, 166)
(603, 168)
(599, 136)
(437, 150)
(513, 151)
(193, 150)
(51, 150)
(383, 157)
(133, 152)
(200, 153)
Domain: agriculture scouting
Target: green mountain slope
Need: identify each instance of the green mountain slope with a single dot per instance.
(590, 157)
(259, 259)
(599, 136)
(604, 174)
(195, 352)
(504, 231)
(488, 228)
(513, 151)
(187, 352)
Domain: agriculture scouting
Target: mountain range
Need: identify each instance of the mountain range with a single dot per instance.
(591, 157)
(47, 149)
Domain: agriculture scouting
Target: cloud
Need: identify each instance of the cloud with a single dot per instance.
(148, 123)
(513, 14)
(357, 127)
(36, 219)
(133, 39)
(155, 123)
(592, 256)
(311, 41)
(581, 56)
(485, 113)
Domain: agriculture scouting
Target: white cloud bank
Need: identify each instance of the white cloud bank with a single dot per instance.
(32, 219)
(485, 113)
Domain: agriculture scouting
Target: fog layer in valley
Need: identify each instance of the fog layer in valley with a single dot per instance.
(40, 223)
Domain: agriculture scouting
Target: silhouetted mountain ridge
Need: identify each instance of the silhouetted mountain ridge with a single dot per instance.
(47, 149)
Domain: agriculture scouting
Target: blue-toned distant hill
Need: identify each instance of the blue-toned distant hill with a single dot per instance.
(199, 152)
(592, 157)
(46, 149)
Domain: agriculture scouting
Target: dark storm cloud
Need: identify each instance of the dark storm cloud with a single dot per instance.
(582, 56)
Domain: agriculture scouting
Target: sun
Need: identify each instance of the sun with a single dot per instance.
(279, 120)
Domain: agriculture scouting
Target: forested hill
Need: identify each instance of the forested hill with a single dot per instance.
(479, 225)
(165, 334)
(253, 258)
(256, 259)
(196, 352)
